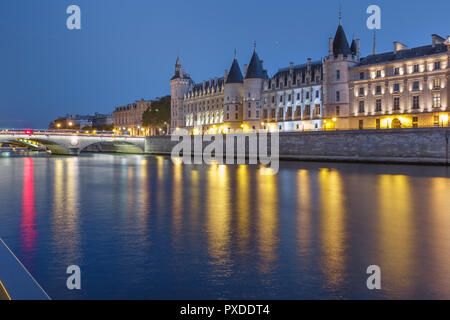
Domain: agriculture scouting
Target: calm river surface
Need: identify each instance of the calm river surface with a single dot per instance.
(143, 227)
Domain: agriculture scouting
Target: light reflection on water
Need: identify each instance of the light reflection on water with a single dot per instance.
(144, 227)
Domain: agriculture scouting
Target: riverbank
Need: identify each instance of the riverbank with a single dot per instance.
(412, 146)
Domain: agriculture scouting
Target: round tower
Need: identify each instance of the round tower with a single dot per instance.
(253, 86)
(233, 96)
(179, 84)
(337, 76)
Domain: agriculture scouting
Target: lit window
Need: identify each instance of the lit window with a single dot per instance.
(437, 82)
(436, 100)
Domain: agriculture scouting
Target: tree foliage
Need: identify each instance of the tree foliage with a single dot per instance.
(158, 114)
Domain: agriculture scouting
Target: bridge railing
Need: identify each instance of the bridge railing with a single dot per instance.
(33, 132)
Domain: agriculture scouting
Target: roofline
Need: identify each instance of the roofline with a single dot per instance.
(396, 61)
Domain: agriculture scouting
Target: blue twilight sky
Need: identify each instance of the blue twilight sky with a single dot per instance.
(126, 50)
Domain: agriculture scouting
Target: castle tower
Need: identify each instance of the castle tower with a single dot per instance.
(179, 85)
(233, 96)
(341, 57)
(253, 86)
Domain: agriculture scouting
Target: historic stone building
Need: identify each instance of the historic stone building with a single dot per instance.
(128, 119)
(404, 88)
(291, 100)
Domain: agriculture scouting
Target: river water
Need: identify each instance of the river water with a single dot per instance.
(142, 227)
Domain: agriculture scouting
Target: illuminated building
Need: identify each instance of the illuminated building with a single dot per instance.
(129, 118)
(405, 88)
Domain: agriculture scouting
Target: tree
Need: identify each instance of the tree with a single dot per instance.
(158, 115)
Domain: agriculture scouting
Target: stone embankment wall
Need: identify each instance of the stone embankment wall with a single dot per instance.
(421, 146)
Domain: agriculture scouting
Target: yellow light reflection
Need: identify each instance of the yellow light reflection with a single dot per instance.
(395, 231)
(440, 222)
(177, 199)
(332, 226)
(304, 212)
(218, 214)
(243, 207)
(267, 220)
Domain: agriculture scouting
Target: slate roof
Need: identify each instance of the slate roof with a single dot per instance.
(404, 54)
(255, 68)
(235, 74)
(340, 43)
(316, 67)
(353, 47)
(210, 84)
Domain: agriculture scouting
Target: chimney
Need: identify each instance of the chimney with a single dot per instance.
(291, 66)
(330, 50)
(262, 63)
(398, 46)
(358, 47)
(308, 64)
(215, 81)
(225, 75)
(436, 39)
(245, 70)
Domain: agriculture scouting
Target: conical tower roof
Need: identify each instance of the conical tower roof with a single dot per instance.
(255, 68)
(235, 74)
(340, 43)
(353, 47)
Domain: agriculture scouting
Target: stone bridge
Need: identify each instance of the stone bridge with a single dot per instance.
(71, 143)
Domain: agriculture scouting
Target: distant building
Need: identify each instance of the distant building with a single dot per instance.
(78, 122)
(128, 119)
(103, 122)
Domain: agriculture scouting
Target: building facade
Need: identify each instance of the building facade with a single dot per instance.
(128, 119)
(290, 100)
(405, 88)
